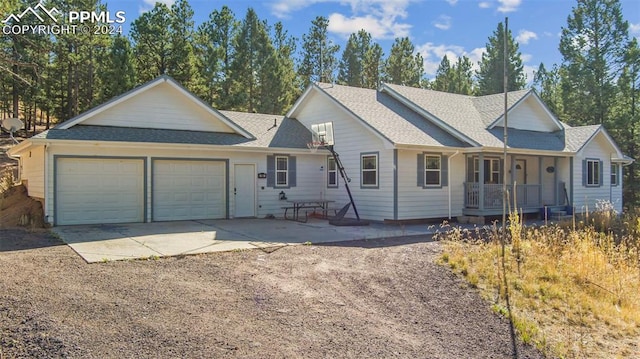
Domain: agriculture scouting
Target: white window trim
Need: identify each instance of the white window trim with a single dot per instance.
(615, 172)
(334, 171)
(594, 181)
(439, 170)
(286, 172)
(363, 170)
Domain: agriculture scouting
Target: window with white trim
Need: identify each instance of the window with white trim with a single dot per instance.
(282, 170)
(432, 170)
(593, 172)
(369, 170)
(614, 174)
(332, 172)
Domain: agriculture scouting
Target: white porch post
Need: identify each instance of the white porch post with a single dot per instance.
(481, 181)
(540, 180)
(555, 182)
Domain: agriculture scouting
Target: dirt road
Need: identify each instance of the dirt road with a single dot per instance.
(365, 299)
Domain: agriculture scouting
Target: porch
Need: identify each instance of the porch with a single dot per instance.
(533, 182)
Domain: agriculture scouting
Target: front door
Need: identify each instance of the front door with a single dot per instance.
(244, 190)
(521, 172)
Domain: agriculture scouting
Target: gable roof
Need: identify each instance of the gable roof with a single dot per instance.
(286, 133)
(383, 115)
(164, 79)
(413, 116)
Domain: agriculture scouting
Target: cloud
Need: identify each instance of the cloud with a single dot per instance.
(378, 28)
(634, 29)
(150, 4)
(484, 4)
(529, 72)
(433, 54)
(526, 57)
(524, 36)
(381, 18)
(508, 5)
(452, 2)
(443, 22)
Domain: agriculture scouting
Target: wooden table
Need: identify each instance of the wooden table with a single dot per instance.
(306, 203)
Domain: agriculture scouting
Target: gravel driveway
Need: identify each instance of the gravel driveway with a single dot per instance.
(361, 299)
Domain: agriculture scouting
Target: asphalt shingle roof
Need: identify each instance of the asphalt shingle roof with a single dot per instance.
(468, 115)
(288, 133)
(389, 117)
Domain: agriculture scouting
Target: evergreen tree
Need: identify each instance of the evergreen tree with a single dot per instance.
(119, 75)
(373, 67)
(491, 73)
(404, 66)
(351, 67)
(151, 34)
(547, 83)
(318, 54)
(279, 81)
(626, 120)
(592, 45)
(463, 76)
(181, 60)
(444, 76)
(252, 47)
(215, 53)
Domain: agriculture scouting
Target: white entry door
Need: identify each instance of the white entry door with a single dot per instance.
(244, 190)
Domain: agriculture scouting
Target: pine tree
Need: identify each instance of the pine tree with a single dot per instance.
(252, 46)
(119, 75)
(351, 70)
(373, 67)
(279, 80)
(491, 73)
(626, 120)
(318, 54)
(444, 76)
(214, 45)
(181, 62)
(404, 66)
(151, 35)
(593, 46)
(547, 83)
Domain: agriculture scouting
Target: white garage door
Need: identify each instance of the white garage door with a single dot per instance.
(99, 190)
(184, 190)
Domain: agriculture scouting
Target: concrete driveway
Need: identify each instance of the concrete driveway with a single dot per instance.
(107, 242)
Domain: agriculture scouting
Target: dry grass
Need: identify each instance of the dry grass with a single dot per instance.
(574, 290)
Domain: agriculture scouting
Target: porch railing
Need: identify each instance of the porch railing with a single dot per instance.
(527, 195)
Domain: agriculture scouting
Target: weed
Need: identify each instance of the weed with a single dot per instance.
(575, 283)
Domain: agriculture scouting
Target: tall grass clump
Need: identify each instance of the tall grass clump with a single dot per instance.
(574, 292)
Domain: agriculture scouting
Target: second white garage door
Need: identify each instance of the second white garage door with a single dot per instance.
(185, 190)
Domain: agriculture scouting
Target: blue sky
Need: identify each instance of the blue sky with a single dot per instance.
(436, 27)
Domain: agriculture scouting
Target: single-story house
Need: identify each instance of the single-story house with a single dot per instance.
(158, 153)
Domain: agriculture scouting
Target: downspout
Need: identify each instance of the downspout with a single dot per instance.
(45, 205)
(449, 179)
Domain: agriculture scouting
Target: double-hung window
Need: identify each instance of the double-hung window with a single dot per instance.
(593, 173)
(432, 170)
(614, 174)
(282, 171)
(369, 170)
(332, 172)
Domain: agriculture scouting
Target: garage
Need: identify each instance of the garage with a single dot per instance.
(189, 189)
(99, 190)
